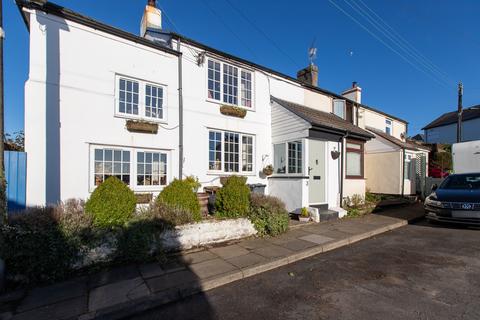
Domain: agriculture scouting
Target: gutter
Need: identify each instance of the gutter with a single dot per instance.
(180, 112)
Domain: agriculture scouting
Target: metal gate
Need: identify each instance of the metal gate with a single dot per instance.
(420, 174)
(16, 176)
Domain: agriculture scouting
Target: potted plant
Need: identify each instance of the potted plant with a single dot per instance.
(268, 170)
(304, 215)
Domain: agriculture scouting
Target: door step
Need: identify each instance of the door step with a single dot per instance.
(327, 215)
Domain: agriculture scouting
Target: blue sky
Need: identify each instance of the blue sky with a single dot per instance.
(444, 32)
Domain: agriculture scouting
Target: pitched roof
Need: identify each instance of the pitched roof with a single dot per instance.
(68, 14)
(322, 119)
(392, 139)
(451, 117)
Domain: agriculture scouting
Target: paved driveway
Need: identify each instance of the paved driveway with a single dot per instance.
(416, 272)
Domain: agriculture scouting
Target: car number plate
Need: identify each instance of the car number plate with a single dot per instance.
(465, 214)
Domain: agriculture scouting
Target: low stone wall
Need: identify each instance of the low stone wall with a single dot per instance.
(207, 232)
(181, 238)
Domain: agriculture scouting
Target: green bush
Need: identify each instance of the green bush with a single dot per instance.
(194, 183)
(179, 195)
(268, 215)
(111, 204)
(233, 199)
(35, 247)
(169, 215)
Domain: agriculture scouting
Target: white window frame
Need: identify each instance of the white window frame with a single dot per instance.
(344, 108)
(239, 89)
(240, 158)
(141, 100)
(390, 126)
(133, 166)
(150, 187)
(287, 158)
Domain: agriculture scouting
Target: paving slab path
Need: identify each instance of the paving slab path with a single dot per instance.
(126, 291)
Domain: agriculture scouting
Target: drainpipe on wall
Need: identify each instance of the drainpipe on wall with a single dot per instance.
(403, 173)
(342, 167)
(180, 113)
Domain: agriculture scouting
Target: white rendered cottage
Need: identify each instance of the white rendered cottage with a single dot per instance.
(100, 102)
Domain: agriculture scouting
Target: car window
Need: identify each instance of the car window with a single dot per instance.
(462, 181)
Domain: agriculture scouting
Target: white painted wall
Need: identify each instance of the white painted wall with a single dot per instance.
(70, 103)
(286, 125)
(370, 118)
(448, 133)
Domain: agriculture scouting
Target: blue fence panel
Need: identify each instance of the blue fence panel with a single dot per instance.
(16, 176)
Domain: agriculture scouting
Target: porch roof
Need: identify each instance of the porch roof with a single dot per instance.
(324, 121)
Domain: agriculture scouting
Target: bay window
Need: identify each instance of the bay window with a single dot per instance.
(230, 152)
(229, 84)
(287, 157)
(354, 159)
(138, 168)
(139, 99)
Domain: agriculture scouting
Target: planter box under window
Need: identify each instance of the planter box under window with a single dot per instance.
(233, 111)
(142, 126)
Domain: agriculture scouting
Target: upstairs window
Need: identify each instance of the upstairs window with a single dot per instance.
(229, 84)
(388, 126)
(339, 108)
(140, 99)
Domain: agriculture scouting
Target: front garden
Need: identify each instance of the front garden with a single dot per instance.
(49, 244)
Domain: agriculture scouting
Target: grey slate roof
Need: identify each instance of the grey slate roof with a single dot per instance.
(322, 119)
(392, 139)
(451, 117)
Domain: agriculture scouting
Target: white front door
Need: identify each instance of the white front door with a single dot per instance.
(316, 172)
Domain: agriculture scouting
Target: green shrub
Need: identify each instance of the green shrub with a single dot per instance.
(194, 183)
(233, 199)
(111, 204)
(179, 195)
(169, 215)
(372, 198)
(35, 247)
(268, 215)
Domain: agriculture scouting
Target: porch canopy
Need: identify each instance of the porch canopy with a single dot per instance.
(324, 125)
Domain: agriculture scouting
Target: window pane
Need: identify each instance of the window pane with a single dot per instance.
(295, 157)
(247, 153)
(230, 84)
(339, 108)
(354, 146)
(128, 96)
(246, 89)
(231, 152)
(279, 158)
(215, 151)
(152, 169)
(111, 162)
(154, 102)
(354, 163)
(213, 80)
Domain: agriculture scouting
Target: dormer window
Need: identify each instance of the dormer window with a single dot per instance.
(388, 126)
(339, 108)
(229, 84)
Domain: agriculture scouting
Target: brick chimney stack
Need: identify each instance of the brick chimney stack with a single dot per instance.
(309, 75)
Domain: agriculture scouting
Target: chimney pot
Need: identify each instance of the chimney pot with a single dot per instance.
(152, 3)
(354, 84)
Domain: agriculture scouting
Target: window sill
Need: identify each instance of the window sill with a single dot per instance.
(354, 178)
(220, 173)
(220, 103)
(288, 176)
(139, 118)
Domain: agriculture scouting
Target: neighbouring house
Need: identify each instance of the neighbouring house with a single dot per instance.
(444, 128)
(394, 166)
(103, 102)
